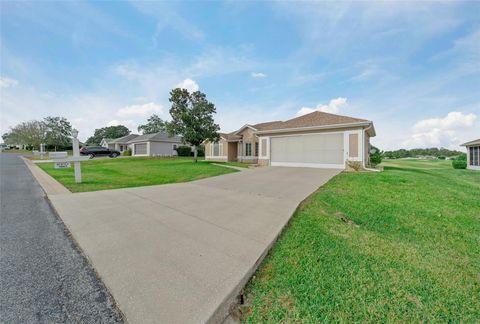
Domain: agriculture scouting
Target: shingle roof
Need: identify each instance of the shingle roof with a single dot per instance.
(266, 125)
(156, 137)
(477, 141)
(230, 136)
(124, 139)
(316, 118)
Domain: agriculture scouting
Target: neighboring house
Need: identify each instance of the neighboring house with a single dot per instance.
(318, 139)
(473, 154)
(119, 144)
(157, 144)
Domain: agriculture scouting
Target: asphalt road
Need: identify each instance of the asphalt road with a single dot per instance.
(43, 276)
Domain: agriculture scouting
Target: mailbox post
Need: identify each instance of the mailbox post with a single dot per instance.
(76, 153)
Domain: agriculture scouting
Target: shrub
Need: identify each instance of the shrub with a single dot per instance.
(184, 150)
(127, 152)
(375, 156)
(459, 164)
(441, 158)
(462, 157)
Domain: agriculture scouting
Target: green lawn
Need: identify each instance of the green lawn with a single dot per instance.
(100, 174)
(17, 151)
(398, 246)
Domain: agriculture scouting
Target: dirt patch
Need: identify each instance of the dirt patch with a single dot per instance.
(341, 216)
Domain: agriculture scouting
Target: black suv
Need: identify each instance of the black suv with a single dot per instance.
(93, 151)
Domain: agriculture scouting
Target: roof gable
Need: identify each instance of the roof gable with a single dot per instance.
(243, 127)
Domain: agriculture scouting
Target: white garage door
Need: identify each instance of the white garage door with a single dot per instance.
(316, 150)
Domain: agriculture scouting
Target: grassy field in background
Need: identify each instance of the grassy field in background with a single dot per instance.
(101, 174)
(397, 246)
(17, 151)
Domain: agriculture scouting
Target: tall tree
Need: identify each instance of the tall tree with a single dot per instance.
(154, 125)
(107, 132)
(32, 133)
(59, 131)
(192, 118)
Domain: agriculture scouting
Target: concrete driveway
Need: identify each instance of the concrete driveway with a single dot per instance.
(180, 253)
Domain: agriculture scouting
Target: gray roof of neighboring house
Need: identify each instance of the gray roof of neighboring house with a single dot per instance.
(477, 141)
(156, 137)
(124, 139)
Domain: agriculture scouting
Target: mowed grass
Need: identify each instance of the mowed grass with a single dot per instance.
(398, 246)
(101, 174)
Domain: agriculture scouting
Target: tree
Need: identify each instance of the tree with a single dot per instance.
(154, 125)
(59, 131)
(375, 156)
(192, 118)
(107, 132)
(31, 133)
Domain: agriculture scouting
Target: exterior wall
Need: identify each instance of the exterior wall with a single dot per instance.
(162, 149)
(263, 162)
(353, 151)
(122, 147)
(223, 151)
(472, 167)
(247, 137)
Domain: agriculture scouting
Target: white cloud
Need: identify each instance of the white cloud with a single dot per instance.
(115, 122)
(332, 107)
(453, 120)
(7, 82)
(140, 110)
(445, 131)
(188, 84)
(256, 75)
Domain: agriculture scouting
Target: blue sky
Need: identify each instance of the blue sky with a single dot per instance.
(411, 67)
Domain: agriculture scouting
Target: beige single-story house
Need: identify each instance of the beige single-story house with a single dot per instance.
(318, 140)
(119, 144)
(157, 144)
(473, 154)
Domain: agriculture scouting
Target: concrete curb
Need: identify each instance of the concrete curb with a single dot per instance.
(47, 182)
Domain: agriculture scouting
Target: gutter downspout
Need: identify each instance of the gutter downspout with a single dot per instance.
(363, 141)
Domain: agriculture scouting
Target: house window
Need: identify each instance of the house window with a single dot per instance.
(256, 148)
(475, 155)
(174, 147)
(248, 149)
(216, 149)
